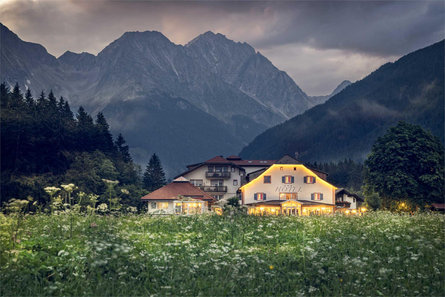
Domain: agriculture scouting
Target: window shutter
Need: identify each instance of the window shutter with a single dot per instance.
(321, 196)
(292, 179)
(283, 179)
(255, 197)
(264, 196)
(312, 196)
(314, 180)
(305, 179)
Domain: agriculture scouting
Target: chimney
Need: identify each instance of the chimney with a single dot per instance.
(296, 156)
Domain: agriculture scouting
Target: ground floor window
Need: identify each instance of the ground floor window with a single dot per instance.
(288, 196)
(162, 205)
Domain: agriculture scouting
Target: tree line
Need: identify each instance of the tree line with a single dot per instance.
(43, 143)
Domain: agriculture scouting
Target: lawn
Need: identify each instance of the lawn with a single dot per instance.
(376, 254)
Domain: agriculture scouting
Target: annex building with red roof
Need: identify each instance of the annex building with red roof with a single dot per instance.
(178, 197)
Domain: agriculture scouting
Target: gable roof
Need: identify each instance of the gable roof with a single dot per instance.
(262, 172)
(179, 187)
(344, 191)
(286, 159)
(231, 160)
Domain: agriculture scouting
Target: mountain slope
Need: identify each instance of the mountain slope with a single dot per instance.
(410, 89)
(226, 86)
(322, 99)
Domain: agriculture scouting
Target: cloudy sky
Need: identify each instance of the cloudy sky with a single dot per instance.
(318, 43)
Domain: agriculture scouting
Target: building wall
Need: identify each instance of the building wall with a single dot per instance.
(350, 199)
(169, 210)
(276, 186)
(200, 173)
(171, 206)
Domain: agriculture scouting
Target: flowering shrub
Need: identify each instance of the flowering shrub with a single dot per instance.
(378, 254)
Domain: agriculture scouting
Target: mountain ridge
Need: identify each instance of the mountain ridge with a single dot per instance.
(346, 125)
(245, 100)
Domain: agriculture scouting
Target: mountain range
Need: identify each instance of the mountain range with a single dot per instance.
(186, 103)
(345, 126)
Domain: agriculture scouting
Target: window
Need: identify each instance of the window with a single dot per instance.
(309, 179)
(211, 168)
(267, 179)
(218, 197)
(233, 169)
(235, 182)
(259, 196)
(217, 182)
(162, 205)
(288, 196)
(153, 205)
(317, 196)
(178, 208)
(196, 182)
(287, 179)
(281, 168)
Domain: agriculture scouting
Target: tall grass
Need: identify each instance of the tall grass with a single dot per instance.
(376, 254)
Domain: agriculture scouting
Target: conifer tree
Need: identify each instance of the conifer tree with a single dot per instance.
(154, 176)
(85, 131)
(104, 140)
(4, 94)
(123, 149)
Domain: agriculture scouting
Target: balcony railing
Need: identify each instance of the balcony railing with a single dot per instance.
(214, 188)
(213, 174)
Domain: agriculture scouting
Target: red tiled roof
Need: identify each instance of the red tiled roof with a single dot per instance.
(174, 190)
(253, 162)
(438, 205)
(231, 160)
(217, 159)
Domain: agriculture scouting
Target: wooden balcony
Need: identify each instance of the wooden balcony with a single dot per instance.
(213, 174)
(214, 189)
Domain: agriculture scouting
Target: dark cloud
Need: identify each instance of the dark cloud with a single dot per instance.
(369, 31)
(375, 27)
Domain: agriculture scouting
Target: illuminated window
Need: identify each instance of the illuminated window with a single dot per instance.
(288, 196)
(317, 196)
(267, 179)
(287, 179)
(162, 205)
(259, 196)
(178, 208)
(309, 179)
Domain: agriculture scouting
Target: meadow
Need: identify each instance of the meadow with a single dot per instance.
(378, 254)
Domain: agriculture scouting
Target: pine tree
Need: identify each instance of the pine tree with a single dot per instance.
(154, 176)
(104, 140)
(84, 131)
(123, 149)
(4, 95)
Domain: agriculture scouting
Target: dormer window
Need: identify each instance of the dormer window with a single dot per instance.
(287, 179)
(309, 179)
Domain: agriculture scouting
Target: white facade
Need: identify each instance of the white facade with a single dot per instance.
(293, 188)
(220, 181)
(346, 198)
